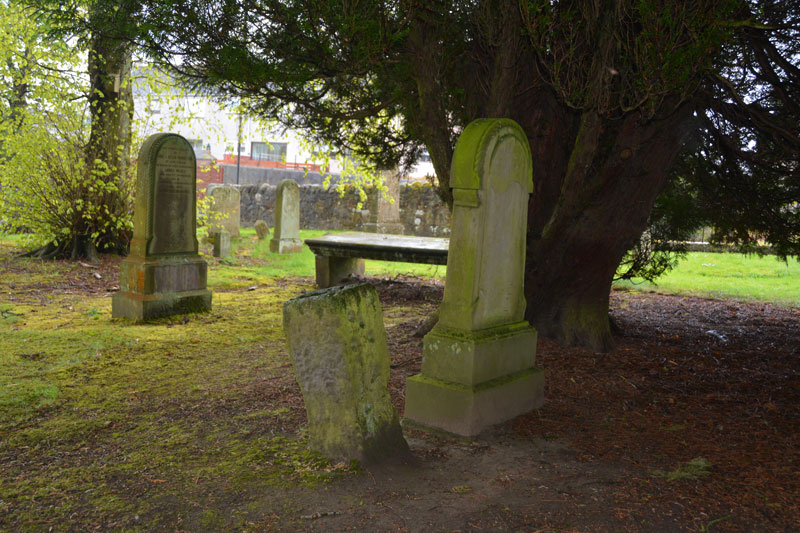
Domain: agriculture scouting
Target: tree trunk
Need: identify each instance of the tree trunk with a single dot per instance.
(108, 151)
(591, 202)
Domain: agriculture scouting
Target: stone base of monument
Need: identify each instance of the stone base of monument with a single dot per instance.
(389, 228)
(472, 380)
(285, 246)
(160, 287)
(334, 270)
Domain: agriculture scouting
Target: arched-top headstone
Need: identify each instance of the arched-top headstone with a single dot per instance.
(163, 274)
(491, 181)
(166, 198)
(286, 235)
(478, 361)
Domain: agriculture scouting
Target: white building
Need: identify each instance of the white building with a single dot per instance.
(161, 105)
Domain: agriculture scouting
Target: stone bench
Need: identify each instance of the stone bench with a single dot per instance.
(342, 255)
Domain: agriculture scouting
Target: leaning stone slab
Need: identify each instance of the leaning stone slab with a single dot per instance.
(338, 347)
(225, 210)
(163, 274)
(478, 361)
(286, 238)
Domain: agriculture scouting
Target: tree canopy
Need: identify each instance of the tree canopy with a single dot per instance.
(619, 99)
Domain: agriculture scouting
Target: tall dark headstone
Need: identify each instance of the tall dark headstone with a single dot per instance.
(164, 274)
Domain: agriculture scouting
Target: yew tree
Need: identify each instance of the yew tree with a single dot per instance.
(618, 98)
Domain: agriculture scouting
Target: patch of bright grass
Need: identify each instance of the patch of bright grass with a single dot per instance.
(729, 275)
(240, 272)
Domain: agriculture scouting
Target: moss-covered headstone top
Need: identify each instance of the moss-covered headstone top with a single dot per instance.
(165, 207)
(491, 178)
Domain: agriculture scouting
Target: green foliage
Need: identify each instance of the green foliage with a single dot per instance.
(673, 220)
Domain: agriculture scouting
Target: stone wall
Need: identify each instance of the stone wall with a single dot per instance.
(421, 211)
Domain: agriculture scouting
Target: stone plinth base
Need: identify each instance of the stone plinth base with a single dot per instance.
(334, 270)
(170, 285)
(471, 380)
(473, 357)
(285, 246)
(466, 411)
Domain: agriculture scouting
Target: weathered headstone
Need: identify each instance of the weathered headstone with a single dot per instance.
(337, 344)
(478, 361)
(224, 213)
(221, 241)
(286, 236)
(262, 229)
(163, 275)
(385, 208)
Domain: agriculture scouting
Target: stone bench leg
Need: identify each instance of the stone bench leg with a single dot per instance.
(334, 270)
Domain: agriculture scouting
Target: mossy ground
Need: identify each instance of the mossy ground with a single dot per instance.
(195, 422)
(183, 420)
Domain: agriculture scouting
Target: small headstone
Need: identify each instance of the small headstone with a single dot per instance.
(337, 344)
(385, 208)
(286, 236)
(225, 210)
(478, 361)
(221, 241)
(262, 229)
(163, 274)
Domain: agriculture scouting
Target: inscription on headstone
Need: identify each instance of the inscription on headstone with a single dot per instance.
(173, 199)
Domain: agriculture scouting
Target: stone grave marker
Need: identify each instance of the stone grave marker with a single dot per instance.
(478, 361)
(337, 344)
(385, 214)
(221, 241)
(163, 274)
(225, 210)
(262, 229)
(286, 236)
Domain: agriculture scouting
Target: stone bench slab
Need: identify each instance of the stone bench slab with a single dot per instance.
(339, 256)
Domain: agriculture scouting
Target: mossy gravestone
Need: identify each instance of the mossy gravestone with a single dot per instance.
(225, 210)
(286, 236)
(478, 361)
(221, 242)
(262, 229)
(163, 275)
(337, 344)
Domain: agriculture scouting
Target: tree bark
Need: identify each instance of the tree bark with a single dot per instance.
(579, 231)
(108, 150)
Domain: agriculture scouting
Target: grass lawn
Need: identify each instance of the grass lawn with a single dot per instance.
(727, 275)
(255, 264)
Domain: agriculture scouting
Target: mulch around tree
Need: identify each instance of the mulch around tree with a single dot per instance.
(689, 378)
